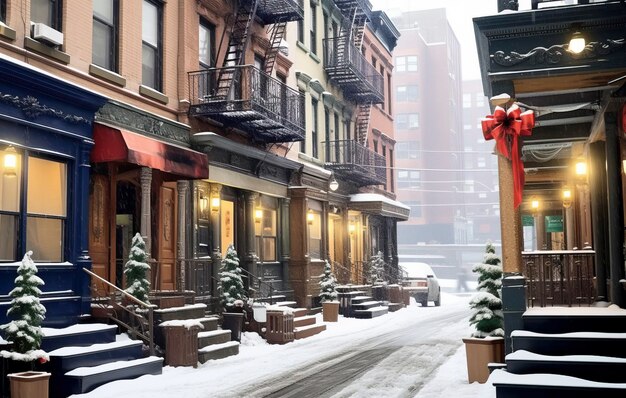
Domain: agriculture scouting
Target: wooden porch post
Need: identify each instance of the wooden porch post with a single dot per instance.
(599, 213)
(510, 220)
(183, 189)
(146, 217)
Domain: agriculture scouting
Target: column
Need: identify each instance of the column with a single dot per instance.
(599, 213)
(615, 216)
(145, 179)
(285, 241)
(250, 255)
(183, 189)
(540, 230)
(215, 191)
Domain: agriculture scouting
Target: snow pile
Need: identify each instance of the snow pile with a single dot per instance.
(187, 323)
(252, 339)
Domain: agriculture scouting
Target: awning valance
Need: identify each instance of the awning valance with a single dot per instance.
(374, 203)
(117, 145)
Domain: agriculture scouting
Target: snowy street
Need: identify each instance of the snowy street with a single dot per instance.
(414, 352)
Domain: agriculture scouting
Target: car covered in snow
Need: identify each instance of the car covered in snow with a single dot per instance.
(422, 282)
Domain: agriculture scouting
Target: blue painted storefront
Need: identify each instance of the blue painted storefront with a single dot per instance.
(41, 115)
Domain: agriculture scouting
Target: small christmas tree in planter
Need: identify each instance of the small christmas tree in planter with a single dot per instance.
(328, 295)
(136, 270)
(24, 331)
(232, 293)
(487, 343)
(375, 277)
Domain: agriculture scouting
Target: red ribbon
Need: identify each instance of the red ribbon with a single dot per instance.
(506, 127)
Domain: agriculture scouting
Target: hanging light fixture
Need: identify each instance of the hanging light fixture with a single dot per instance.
(310, 217)
(577, 43)
(215, 203)
(567, 197)
(258, 215)
(534, 204)
(10, 161)
(581, 168)
(333, 185)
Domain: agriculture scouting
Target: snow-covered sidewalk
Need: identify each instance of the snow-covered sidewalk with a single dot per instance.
(260, 364)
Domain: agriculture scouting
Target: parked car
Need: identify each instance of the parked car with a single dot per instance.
(421, 280)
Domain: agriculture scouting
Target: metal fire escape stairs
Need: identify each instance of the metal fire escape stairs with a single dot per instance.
(277, 33)
(236, 50)
(363, 122)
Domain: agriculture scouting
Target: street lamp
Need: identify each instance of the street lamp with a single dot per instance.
(577, 43)
(333, 185)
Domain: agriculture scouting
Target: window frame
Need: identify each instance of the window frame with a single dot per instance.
(158, 67)
(22, 215)
(204, 23)
(314, 132)
(313, 29)
(114, 31)
(3, 11)
(56, 17)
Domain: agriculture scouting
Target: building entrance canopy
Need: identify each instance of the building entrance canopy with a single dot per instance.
(118, 145)
(378, 204)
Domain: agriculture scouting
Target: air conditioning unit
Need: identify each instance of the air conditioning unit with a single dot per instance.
(44, 33)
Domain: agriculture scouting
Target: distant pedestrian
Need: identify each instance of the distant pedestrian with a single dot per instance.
(461, 280)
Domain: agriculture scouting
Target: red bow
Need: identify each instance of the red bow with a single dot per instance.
(505, 127)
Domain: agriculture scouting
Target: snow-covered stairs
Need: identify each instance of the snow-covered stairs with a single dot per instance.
(85, 356)
(213, 342)
(572, 352)
(355, 302)
(305, 325)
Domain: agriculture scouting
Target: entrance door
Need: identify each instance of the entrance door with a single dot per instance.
(99, 222)
(167, 237)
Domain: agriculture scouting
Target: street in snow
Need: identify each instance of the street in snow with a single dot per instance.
(414, 352)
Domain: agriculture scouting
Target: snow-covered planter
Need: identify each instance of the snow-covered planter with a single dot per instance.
(487, 342)
(328, 295)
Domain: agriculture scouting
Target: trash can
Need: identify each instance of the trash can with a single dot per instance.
(233, 321)
(181, 345)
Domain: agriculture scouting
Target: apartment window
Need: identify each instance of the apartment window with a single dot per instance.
(406, 64)
(151, 51)
(467, 100)
(314, 141)
(408, 149)
(409, 179)
(104, 40)
(3, 11)
(389, 88)
(407, 121)
(480, 99)
(314, 225)
(41, 227)
(47, 12)
(407, 93)
(303, 99)
(206, 44)
(374, 62)
(391, 165)
(347, 133)
(313, 28)
(375, 146)
(337, 137)
(327, 133)
(301, 31)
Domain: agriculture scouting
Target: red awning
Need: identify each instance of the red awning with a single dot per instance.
(116, 145)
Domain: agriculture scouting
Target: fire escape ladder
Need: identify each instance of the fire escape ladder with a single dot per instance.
(277, 33)
(236, 51)
(363, 122)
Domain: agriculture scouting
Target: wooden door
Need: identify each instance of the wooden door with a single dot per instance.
(167, 237)
(99, 226)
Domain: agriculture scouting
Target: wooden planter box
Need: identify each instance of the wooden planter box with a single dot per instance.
(481, 352)
(279, 327)
(330, 311)
(29, 384)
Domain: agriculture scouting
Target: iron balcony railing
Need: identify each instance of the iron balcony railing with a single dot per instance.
(348, 7)
(355, 162)
(257, 104)
(347, 67)
(272, 11)
(559, 277)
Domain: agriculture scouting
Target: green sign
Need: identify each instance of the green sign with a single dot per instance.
(554, 223)
(528, 221)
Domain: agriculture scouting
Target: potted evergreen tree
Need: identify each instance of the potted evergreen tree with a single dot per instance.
(232, 293)
(25, 334)
(376, 276)
(487, 342)
(136, 270)
(328, 295)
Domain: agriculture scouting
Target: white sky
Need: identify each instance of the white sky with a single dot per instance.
(460, 14)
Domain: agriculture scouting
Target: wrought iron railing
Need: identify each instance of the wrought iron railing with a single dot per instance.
(347, 66)
(559, 277)
(361, 163)
(134, 315)
(347, 7)
(257, 103)
(271, 11)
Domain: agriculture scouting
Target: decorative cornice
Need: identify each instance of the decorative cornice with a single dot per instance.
(557, 53)
(32, 109)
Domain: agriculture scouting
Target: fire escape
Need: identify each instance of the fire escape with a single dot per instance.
(242, 96)
(362, 83)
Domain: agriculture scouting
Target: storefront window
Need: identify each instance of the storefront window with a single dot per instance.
(265, 230)
(10, 172)
(46, 206)
(314, 222)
